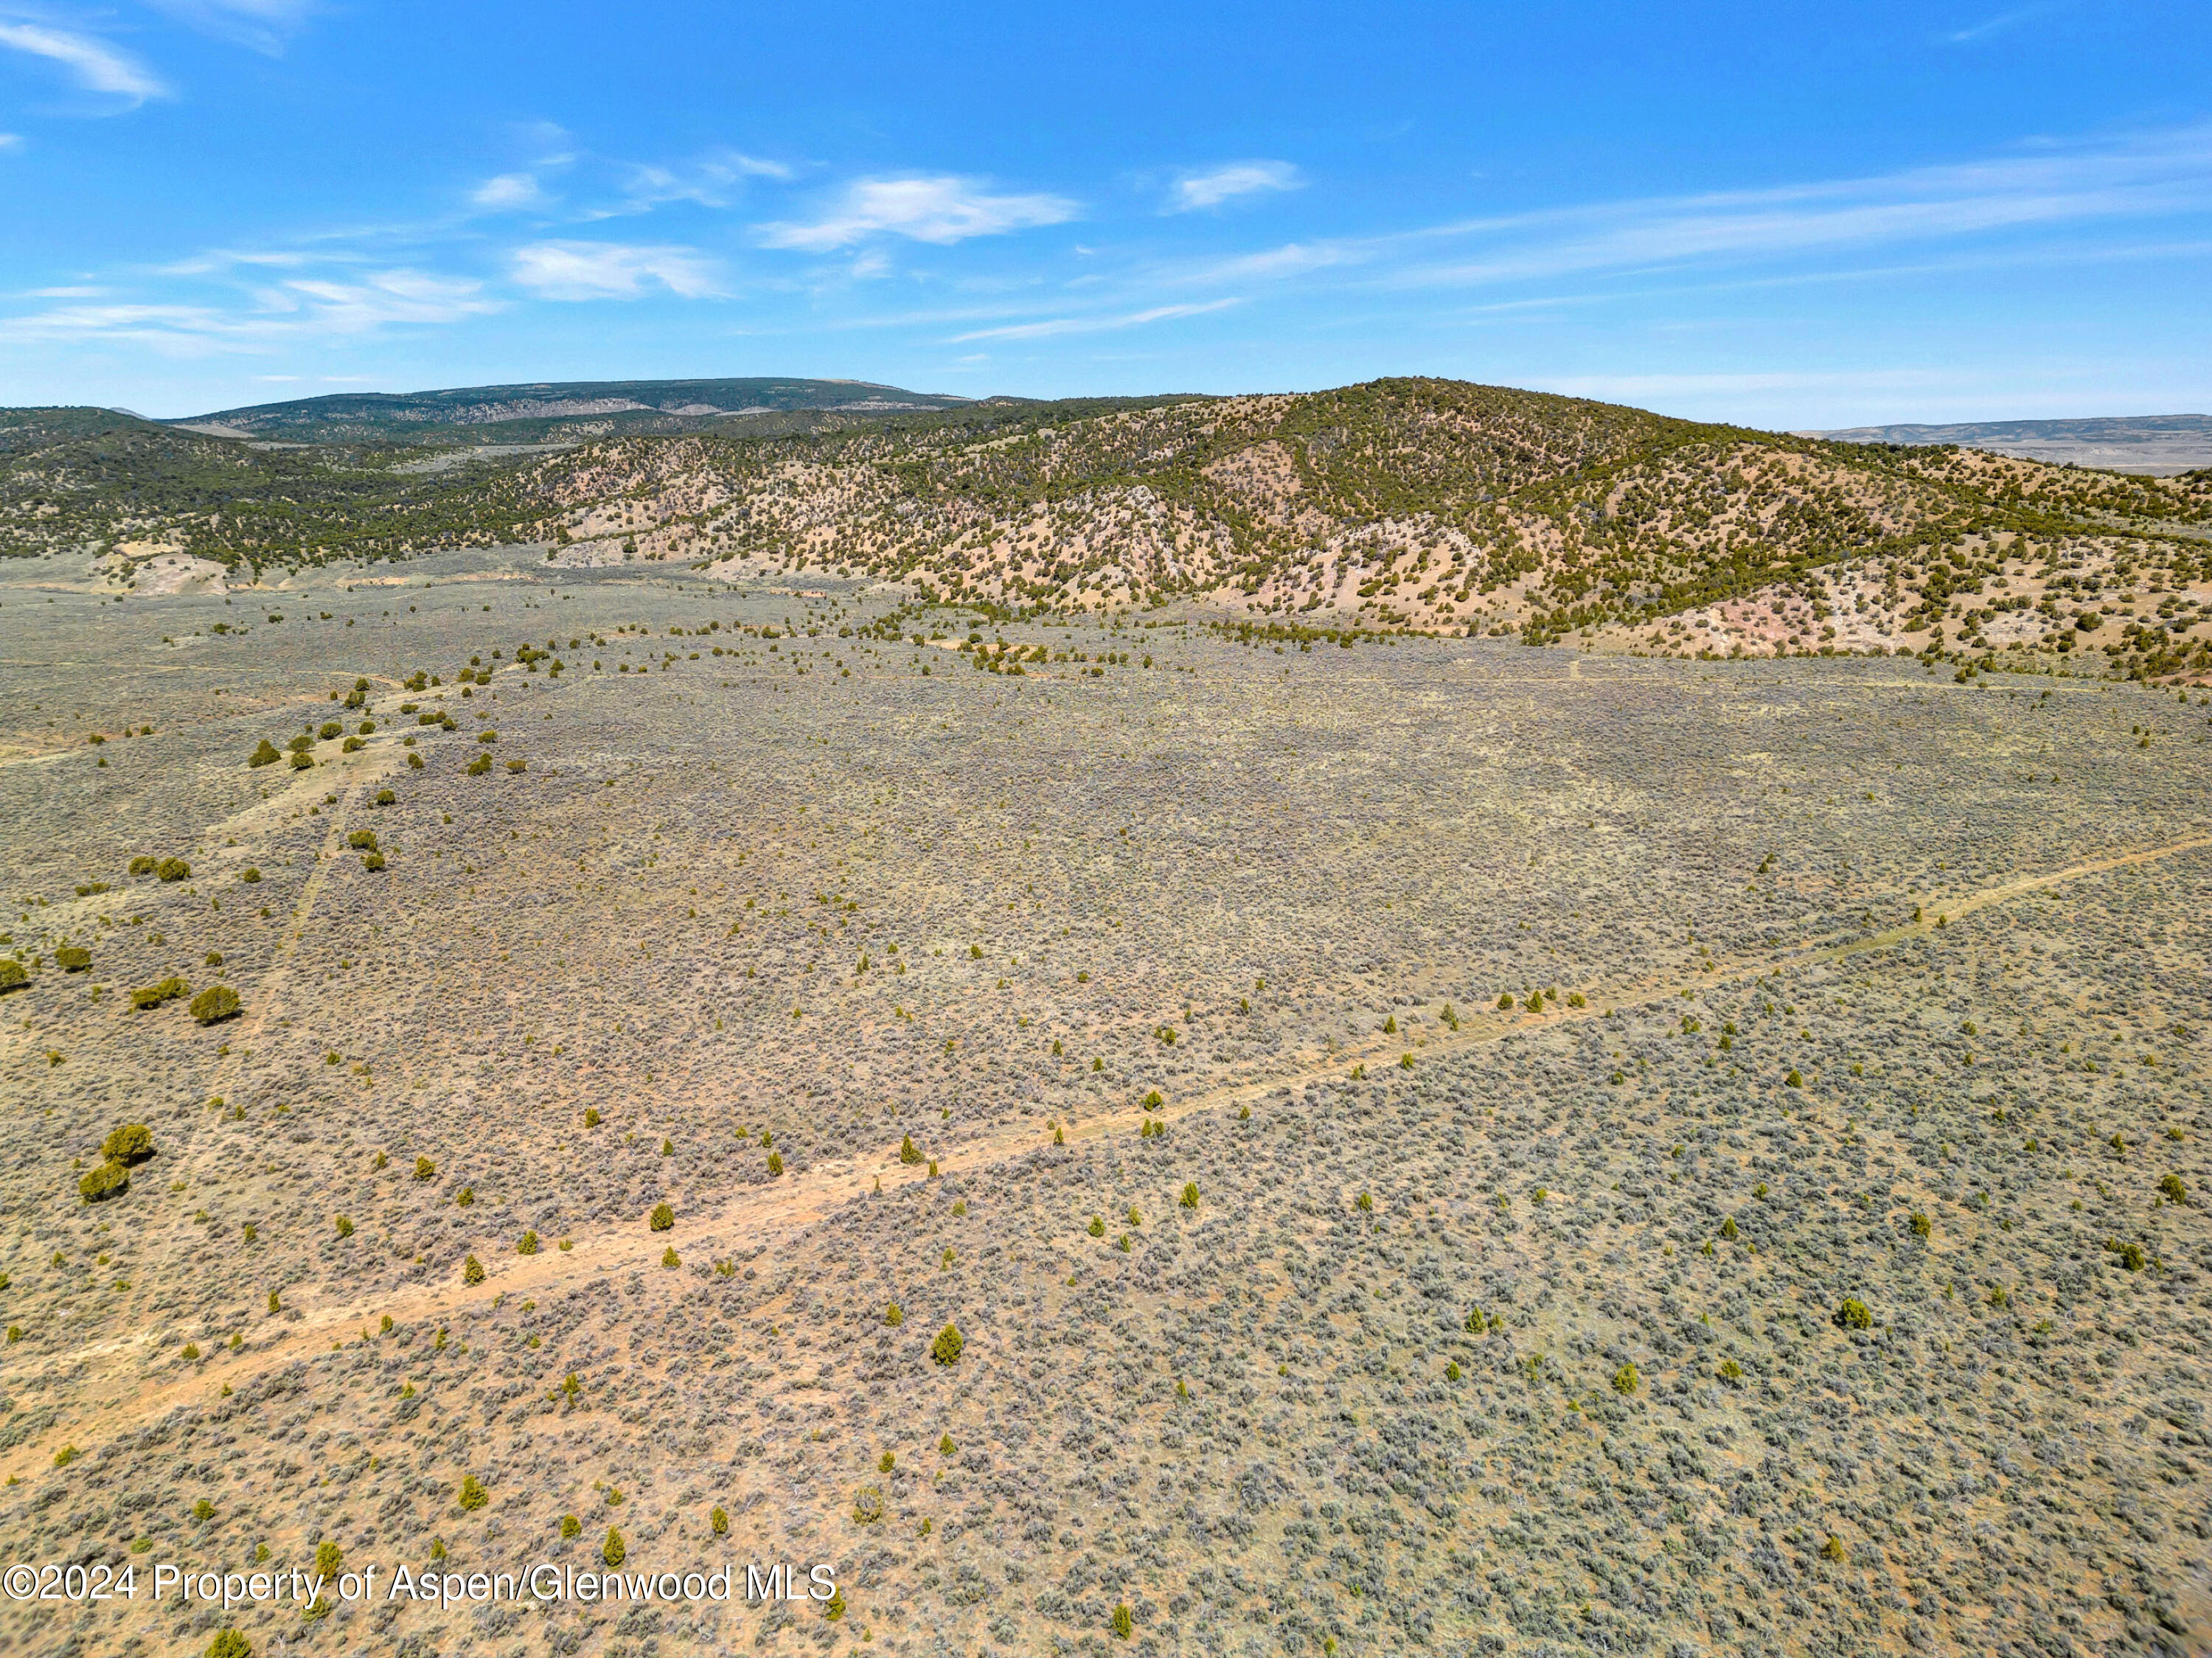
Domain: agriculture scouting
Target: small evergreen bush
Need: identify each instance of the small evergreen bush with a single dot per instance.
(152, 996)
(473, 1495)
(472, 1273)
(215, 1004)
(894, 1316)
(945, 1349)
(132, 1143)
(1189, 1198)
(72, 959)
(110, 1180)
(1853, 1315)
(908, 1152)
(527, 1245)
(613, 1550)
(662, 1217)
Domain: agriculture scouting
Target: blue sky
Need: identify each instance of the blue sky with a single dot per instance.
(1790, 217)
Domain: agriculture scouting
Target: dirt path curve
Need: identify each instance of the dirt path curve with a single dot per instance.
(797, 1201)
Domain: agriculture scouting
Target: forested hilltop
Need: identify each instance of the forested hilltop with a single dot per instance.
(1399, 504)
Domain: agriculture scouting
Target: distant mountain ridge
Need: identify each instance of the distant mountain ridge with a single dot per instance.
(2125, 443)
(542, 411)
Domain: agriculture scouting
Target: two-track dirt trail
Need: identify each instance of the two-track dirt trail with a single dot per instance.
(764, 1217)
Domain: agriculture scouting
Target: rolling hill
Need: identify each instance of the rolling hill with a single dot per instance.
(551, 410)
(1422, 505)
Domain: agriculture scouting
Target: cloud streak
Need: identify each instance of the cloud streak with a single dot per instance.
(611, 270)
(1057, 326)
(1195, 191)
(942, 210)
(295, 311)
(96, 65)
(2160, 174)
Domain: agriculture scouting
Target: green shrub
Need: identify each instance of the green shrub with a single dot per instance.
(303, 760)
(110, 1180)
(661, 1219)
(152, 996)
(1730, 1371)
(1505, 1001)
(173, 868)
(894, 1316)
(13, 975)
(909, 1153)
(215, 1004)
(718, 1521)
(945, 1349)
(944, 1445)
(1626, 1380)
(249, 875)
(72, 959)
(266, 755)
(1364, 1203)
(613, 1550)
(345, 1226)
(1189, 1198)
(473, 1496)
(1153, 1102)
(472, 1273)
(1121, 1623)
(1793, 1080)
(775, 1162)
(571, 1527)
(2175, 1189)
(132, 1143)
(1853, 1315)
(527, 1245)
(867, 1506)
(331, 728)
(1097, 1227)
(362, 840)
(374, 862)
(425, 1169)
(1921, 1226)
(415, 762)
(143, 864)
(1729, 1228)
(229, 1643)
(479, 765)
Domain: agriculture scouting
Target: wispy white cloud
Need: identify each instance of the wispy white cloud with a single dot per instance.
(263, 25)
(1215, 185)
(2052, 187)
(508, 190)
(10, 141)
(386, 297)
(1056, 326)
(611, 270)
(287, 312)
(1998, 24)
(98, 65)
(942, 210)
(715, 180)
